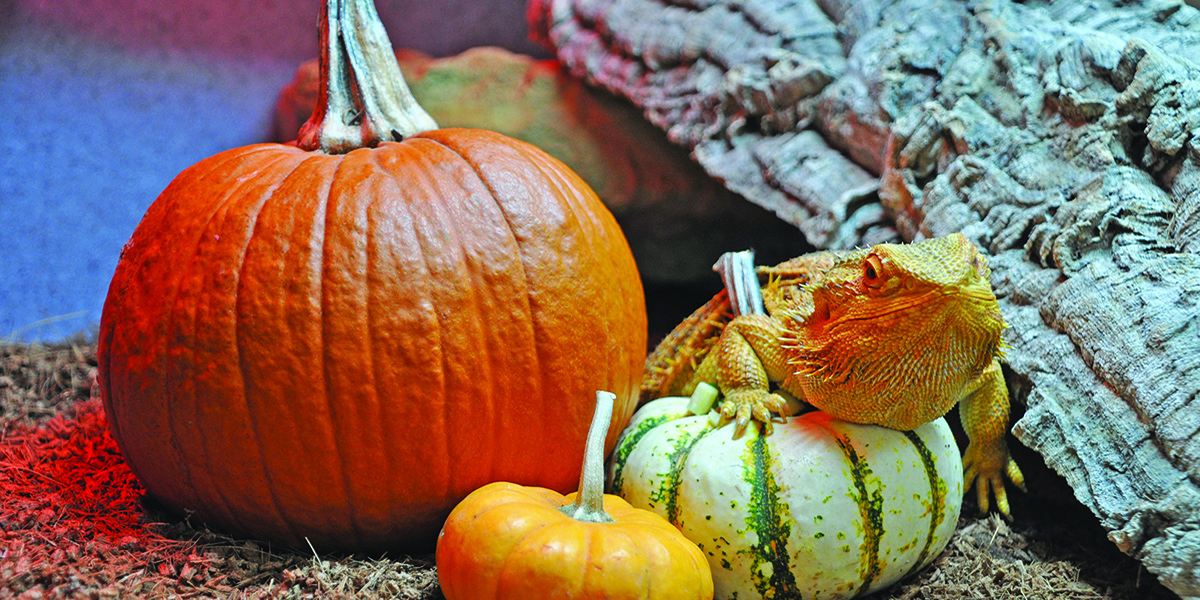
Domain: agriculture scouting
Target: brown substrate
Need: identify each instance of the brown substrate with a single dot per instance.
(74, 524)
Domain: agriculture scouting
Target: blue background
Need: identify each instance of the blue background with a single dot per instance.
(104, 102)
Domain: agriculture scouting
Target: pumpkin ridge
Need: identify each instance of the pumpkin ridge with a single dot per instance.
(168, 327)
(632, 542)
(352, 512)
(107, 333)
(870, 506)
(507, 580)
(260, 456)
(108, 329)
(443, 355)
(602, 223)
(536, 333)
(765, 517)
(235, 195)
(356, 326)
(937, 497)
(373, 325)
(268, 480)
(483, 369)
(194, 263)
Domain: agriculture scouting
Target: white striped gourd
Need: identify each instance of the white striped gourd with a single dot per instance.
(821, 508)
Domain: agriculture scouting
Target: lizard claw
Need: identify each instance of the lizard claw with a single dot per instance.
(741, 407)
(736, 413)
(773, 403)
(987, 468)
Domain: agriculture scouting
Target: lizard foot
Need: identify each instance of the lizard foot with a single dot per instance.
(742, 406)
(986, 465)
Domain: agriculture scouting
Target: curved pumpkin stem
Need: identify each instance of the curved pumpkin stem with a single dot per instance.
(363, 99)
(589, 503)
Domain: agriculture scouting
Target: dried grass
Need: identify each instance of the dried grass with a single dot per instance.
(988, 560)
(74, 524)
(39, 382)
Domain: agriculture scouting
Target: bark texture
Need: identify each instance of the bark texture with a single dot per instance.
(1060, 137)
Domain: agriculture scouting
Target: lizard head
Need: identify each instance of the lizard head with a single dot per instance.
(918, 320)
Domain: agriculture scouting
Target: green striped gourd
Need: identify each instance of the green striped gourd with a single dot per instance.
(821, 508)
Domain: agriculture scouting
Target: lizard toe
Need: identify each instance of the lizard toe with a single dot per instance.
(760, 413)
(1013, 472)
(986, 467)
(744, 414)
(774, 403)
(994, 488)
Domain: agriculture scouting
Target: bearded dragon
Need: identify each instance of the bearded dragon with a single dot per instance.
(892, 335)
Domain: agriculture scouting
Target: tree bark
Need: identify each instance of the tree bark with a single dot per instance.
(1057, 136)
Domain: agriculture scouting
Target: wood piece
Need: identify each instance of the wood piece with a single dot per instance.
(1057, 136)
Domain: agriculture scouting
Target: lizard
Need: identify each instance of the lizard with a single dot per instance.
(892, 335)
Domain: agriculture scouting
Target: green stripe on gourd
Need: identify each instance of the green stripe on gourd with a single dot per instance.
(767, 517)
(937, 495)
(870, 508)
(821, 508)
(628, 441)
(668, 490)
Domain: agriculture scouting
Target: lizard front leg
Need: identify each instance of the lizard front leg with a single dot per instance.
(746, 360)
(984, 414)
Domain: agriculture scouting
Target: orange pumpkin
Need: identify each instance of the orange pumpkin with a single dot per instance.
(337, 342)
(512, 542)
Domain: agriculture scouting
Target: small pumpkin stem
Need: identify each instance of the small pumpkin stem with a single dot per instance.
(589, 503)
(363, 98)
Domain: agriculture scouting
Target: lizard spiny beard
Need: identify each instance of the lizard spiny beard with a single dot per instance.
(906, 366)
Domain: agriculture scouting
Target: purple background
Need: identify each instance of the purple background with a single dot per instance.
(103, 102)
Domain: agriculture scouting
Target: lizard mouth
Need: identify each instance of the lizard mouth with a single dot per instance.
(953, 303)
(981, 292)
(933, 335)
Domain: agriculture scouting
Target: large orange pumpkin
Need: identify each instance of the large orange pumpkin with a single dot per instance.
(337, 342)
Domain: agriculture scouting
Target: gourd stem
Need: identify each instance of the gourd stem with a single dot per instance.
(362, 99)
(589, 503)
(741, 281)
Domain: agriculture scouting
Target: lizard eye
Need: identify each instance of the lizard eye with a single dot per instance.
(979, 262)
(873, 271)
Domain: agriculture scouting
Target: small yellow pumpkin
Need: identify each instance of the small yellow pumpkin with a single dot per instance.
(821, 508)
(511, 541)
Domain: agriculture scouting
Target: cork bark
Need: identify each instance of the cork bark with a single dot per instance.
(1057, 136)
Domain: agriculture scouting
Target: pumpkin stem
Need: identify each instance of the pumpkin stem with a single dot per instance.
(363, 99)
(589, 502)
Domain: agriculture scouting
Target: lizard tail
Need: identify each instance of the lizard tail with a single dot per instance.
(670, 367)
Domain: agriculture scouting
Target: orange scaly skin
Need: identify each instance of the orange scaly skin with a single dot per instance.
(892, 335)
